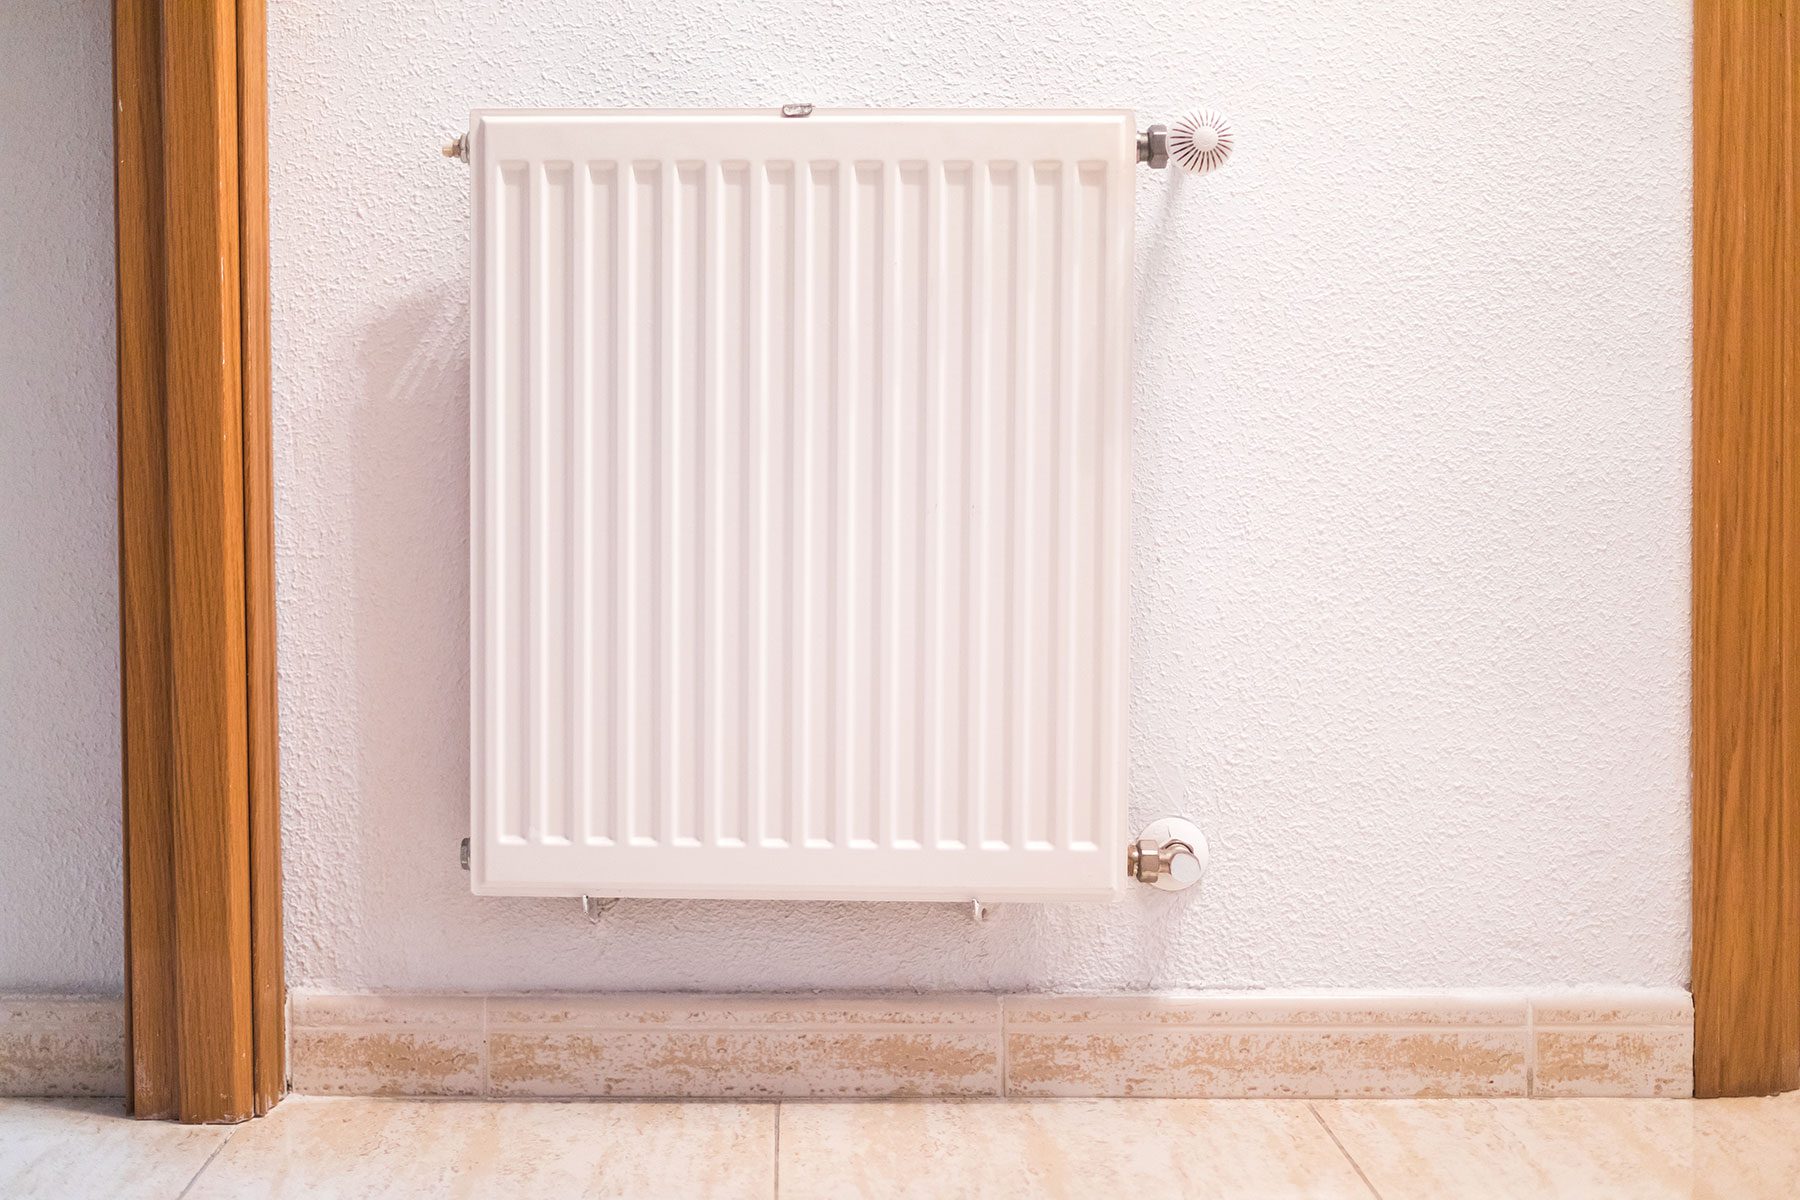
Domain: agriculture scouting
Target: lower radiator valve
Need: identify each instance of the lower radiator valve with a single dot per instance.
(1170, 854)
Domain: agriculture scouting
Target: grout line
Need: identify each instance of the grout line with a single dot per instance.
(958, 1027)
(1336, 1141)
(287, 1026)
(1607, 1027)
(487, 1003)
(1005, 1064)
(223, 1142)
(1531, 1062)
(935, 1027)
(1072, 1028)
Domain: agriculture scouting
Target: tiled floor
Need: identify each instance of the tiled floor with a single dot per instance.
(324, 1149)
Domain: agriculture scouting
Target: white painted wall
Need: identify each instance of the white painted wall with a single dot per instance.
(1410, 582)
(60, 886)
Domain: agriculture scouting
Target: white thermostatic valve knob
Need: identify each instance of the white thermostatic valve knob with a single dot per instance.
(1199, 140)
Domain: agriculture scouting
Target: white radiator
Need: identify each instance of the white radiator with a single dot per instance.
(800, 497)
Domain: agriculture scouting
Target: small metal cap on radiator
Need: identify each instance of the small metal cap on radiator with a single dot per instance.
(1153, 147)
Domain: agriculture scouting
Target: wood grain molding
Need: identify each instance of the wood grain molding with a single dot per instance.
(1746, 531)
(203, 980)
(204, 984)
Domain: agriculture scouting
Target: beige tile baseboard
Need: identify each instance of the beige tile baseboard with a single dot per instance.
(1620, 1042)
(62, 1046)
(1612, 1042)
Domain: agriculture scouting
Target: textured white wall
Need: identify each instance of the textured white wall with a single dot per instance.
(60, 887)
(1410, 580)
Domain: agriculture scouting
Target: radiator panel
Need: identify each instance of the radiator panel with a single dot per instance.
(799, 503)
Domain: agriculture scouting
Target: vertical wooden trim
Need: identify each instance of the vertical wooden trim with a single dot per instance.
(206, 561)
(1787, 251)
(267, 978)
(202, 878)
(1746, 665)
(146, 734)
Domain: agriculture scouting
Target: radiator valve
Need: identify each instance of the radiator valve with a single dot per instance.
(1199, 140)
(1170, 855)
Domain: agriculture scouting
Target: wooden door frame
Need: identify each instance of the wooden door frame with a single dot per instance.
(1746, 529)
(204, 993)
(204, 982)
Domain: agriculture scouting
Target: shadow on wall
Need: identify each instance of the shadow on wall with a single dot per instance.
(410, 604)
(408, 800)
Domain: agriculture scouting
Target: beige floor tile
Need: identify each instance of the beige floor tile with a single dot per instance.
(352, 1149)
(1746, 1149)
(77, 1149)
(1075, 1148)
(1591, 1149)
